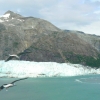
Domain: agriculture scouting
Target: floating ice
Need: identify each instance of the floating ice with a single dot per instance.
(43, 69)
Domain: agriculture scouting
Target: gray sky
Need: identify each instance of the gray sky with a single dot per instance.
(82, 15)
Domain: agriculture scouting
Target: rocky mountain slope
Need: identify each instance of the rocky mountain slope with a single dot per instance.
(45, 41)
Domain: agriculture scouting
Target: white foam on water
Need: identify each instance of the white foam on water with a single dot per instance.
(77, 80)
(89, 80)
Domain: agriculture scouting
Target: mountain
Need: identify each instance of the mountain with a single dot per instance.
(46, 42)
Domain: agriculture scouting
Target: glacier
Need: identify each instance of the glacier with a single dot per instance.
(19, 69)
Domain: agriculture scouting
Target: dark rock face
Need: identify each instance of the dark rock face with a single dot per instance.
(45, 41)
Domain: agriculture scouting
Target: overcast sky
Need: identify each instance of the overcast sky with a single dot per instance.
(82, 15)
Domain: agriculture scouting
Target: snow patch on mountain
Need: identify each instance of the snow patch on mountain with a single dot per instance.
(5, 16)
(1, 21)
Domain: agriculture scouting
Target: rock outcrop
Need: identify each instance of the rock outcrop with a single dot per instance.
(45, 41)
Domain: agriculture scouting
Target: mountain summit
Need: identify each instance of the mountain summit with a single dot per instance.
(45, 41)
(10, 14)
(13, 19)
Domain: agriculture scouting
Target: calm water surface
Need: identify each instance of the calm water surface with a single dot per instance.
(66, 88)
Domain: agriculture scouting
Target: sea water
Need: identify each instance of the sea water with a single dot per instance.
(55, 88)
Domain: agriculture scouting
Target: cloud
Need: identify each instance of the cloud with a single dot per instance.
(18, 10)
(69, 14)
(66, 14)
(93, 28)
(68, 11)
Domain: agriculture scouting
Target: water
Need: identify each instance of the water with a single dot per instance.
(62, 88)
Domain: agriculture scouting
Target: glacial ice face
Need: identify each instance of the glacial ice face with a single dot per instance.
(43, 69)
